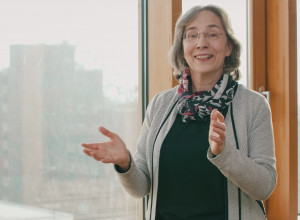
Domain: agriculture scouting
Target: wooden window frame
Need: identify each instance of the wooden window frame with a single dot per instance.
(281, 66)
(162, 16)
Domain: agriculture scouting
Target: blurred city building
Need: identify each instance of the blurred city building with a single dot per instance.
(49, 105)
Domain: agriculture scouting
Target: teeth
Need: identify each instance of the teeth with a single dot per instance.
(203, 56)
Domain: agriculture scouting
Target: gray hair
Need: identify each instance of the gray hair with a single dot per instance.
(176, 55)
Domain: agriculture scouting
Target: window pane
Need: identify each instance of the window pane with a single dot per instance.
(237, 12)
(66, 67)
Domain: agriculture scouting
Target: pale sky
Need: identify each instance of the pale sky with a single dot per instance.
(104, 32)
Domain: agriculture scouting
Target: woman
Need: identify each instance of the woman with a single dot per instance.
(206, 148)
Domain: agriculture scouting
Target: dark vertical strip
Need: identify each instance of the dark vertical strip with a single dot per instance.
(240, 205)
(226, 198)
(144, 29)
(238, 147)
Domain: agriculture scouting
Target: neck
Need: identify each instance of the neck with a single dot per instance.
(202, 82)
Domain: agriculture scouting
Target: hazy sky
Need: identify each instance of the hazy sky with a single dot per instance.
(104, 32)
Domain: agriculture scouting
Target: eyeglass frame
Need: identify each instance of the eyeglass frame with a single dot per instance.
(184, 36)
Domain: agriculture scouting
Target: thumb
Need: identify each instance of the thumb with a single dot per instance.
(107, 132)
(213, 115)
(220, 117)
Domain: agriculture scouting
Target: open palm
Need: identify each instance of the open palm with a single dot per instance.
(113, 151)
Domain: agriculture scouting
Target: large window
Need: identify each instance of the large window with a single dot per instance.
(238, 14)
(66, 67)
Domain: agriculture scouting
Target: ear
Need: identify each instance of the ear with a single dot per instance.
(228, 49)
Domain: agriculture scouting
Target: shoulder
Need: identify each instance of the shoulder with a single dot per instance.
(166, 94)
(249, 103)
(248, 97)
(162, 101)
(165, 97)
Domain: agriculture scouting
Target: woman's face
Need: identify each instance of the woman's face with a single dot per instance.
(206, 54)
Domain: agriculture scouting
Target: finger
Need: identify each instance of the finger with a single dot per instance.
(87, 152)
(96, 156)
(105, 160)
(92, 146)
(213, 115)
(216, 124)
(216, 139)
(107, 132)
(219, 116)
(219, 132)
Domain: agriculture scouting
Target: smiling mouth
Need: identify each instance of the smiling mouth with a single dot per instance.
(203, 57)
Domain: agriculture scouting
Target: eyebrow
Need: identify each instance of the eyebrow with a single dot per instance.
(209, 26)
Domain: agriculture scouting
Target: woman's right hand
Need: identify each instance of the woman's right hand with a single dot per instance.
(113, 151)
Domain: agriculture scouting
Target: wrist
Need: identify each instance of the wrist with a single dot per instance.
(216, 150)
(125, 166)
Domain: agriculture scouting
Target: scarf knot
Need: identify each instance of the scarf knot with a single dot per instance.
(199, 105)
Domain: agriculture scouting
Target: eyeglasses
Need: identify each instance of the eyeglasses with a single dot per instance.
(194, 36)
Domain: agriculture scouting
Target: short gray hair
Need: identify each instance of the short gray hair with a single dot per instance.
(176, 55)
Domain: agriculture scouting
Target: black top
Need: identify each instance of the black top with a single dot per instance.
(189, 186)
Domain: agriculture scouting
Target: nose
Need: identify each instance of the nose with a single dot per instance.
(201, 40)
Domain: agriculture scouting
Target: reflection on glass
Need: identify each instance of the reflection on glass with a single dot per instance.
(66, 67)
(237, 12)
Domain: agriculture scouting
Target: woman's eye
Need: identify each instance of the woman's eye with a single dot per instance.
(212, 34)
(192, 36)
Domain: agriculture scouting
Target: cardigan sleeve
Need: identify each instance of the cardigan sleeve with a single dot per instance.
(254, 172)
(136, 181)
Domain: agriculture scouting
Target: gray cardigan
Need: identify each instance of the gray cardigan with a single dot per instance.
(251, 168)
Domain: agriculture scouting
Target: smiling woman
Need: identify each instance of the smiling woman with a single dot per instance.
(65, 70)
(201, 153)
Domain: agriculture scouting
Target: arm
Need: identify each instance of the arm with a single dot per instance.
(132, 171)
(254, 173)
(136, 180)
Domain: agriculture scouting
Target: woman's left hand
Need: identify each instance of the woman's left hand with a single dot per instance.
(217, 132)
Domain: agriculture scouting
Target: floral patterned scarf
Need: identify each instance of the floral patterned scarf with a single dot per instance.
(199, 105)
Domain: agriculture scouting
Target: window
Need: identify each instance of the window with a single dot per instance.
(66, 67)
